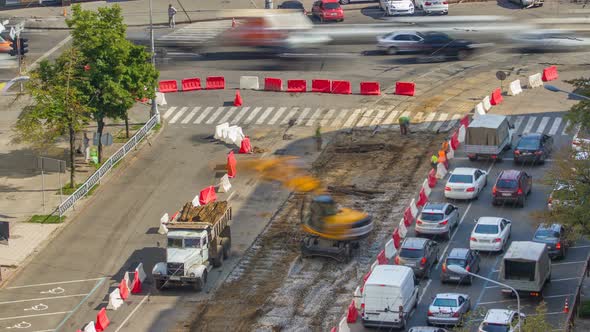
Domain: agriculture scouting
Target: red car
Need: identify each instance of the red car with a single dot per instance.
(512, 186)
(327, 10)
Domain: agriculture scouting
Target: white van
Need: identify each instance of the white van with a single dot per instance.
(389, 297)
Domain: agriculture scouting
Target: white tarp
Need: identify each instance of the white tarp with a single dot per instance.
(390, 249)
(514, 88)
(115, 300)
(479, 110)
(414, 208)
(461, 135)
(224, 184)
(487, 105)
(535, 80)
(221, 131)
(402, 229)
(441, 171)
(249, 83)
(90, 327)
(343, 326)
(426, 187)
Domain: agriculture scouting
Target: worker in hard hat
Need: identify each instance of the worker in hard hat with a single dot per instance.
(445, 146)
(404, 125)
(434, 161)
(442, 158)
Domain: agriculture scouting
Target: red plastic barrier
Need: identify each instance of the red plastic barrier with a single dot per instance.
(324, 86)
(396, 238)
(341, 87)
(455, 140)
(102, 321)
(273, 84)
(370, 88)
(245, 146)
(124, 289)
(381, 258)
(408, 218)
(174, 216)
(550, 74)
(432, 178)
(422, 198)
(231, 165)
(465, 121)
(191, 84)
(405, 88)
(496, 97)
(168, 86)
(215, 83)
(353, 314)
(296, 86)
(136, 287)
(207, 195)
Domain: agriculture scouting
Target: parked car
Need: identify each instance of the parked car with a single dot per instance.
(292, 4)
(448, 309)
(512, 186)
(554, 236)
(433, 6)
(397, 7)
(399, 42)
(427, 329)
(500, 320)
(533, 148)
(463, 257)
(438, 45)
(437, 219)
(419, 254)
(327, 10)
(466, 183)
(490, 234)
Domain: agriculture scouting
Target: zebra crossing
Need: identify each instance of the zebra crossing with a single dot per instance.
(195, 33)
(345, 118)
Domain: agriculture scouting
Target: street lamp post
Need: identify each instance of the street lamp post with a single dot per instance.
(553, 88)
(459, 270)
(154, 110)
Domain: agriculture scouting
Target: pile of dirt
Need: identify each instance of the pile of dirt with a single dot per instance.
(272, 288)
(208, 213)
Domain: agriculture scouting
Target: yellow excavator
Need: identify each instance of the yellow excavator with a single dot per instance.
(330, 231)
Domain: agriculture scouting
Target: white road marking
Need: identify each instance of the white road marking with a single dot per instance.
(339, 118)
(228, 114)
(563, 279)
(132, 312)
(378, 118)
(529, 125)
(493, 302)
(252, 115)
(560, 295)
(302, 116)
(55, 283)
(441, 119)
(314, 117)
(169, 112)
(38, 315)
(48, 53)
(291, 114)
(96, 286)
(277, 115)
(203, 115)
(424, 290)
(327, 117)
(178, 115)
(517, 123)
(240, 114)
(43, 298)
(454, 119)
(427, 122)
(543, 124)
(567, 263)
(265, 115)
(576, 247)
(555, 126)
(566, 127)
(190, 115)
(352, 118)
(390, 119)
(453, 235)
(215, 115)
(365, 118)
(37, 307)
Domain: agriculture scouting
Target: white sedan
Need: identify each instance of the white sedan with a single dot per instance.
(490, 234)
(466, 183)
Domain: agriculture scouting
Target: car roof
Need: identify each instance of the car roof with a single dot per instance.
(489, 220)
(464, 171)
(525, 251)
(425, 329)
(435, 207)
(292, 2)
(327, 1)
(391, 275)
(414, 242)
(509, 174)
(458, 253)
(553, 227)
(531, 135)
(453, 296)
(498, 316)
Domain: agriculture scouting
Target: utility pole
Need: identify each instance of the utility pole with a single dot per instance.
(154, 110)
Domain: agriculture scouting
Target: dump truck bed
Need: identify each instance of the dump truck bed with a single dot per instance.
(215, 215)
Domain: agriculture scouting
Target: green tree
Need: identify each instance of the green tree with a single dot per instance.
(538, 321)
(118, 71)
(580, 113)
(58, 108)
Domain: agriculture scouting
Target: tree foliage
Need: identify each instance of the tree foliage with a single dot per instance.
(580, 113)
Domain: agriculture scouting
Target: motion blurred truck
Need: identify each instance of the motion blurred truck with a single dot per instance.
(526, 267)
(199, 239)
(488, 136)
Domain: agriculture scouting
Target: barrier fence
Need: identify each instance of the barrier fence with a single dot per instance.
(106, 167)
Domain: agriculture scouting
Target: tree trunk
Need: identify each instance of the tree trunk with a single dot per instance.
(72, 156)
(100, 123)
(126, 125)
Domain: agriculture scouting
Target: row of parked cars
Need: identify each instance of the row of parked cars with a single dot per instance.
(407, 7)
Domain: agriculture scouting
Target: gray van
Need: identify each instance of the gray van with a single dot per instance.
(526, 267)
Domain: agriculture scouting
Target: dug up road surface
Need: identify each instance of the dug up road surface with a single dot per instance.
(273, 288)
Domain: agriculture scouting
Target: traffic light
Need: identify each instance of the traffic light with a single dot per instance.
(19, 46)
(23, 46)
(13, 48)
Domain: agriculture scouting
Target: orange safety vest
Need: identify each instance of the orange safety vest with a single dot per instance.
(445, 146)
(442, 156)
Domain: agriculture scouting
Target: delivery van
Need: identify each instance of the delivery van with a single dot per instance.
(526, 267)
(390, 296)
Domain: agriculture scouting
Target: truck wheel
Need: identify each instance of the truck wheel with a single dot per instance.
(160, 284)
(200, 283)
(218, 261)
(226, 244)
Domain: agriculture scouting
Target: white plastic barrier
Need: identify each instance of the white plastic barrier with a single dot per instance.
(224, 185)
(357, 296)
(487, 105)
(221, 131)
(426, 188)
(451, 153)
(127, 280)
(115, 300)
(140, 272)
(414, 208)
(249, 83)
(514, 88)
(90, 327)
(375, 263)
(163, 221)
(402, 229)
(161, 99)
(195, 201)
(479, 110)
(535, 80)
(343, 326)
(461, 135)
(441, 171)
(390, 249)
(235, 135)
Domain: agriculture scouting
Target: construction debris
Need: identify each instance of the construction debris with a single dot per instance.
(206, 213)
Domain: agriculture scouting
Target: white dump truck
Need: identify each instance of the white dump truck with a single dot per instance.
(199, 239)
(488, 136)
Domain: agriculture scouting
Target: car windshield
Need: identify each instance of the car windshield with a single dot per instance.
(458, 178)
(546, 234)
(507, 184)
(431, 216)
(495, 327)
(444, 302)
(411, 253)
(192, 243)
(455, 261)
(174, 243)
(486, 229)
(332, 5)
(528, 144)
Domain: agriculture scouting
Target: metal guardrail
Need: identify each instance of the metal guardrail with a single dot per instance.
(106, 167)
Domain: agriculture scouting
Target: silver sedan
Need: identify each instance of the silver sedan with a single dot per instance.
(398, 42)
(448, 309)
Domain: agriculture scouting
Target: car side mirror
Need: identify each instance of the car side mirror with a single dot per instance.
(475, 221)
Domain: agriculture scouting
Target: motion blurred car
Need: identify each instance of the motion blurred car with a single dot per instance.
(561, 195)
(551, 41)
(448, 309)
(533, 148)
(292, 4)
(490, 234)
(437, 219)
(500, 320)
(399, 42)
(512, 186)
(419, 254)
(433, 6)
(397, 7)
(327, 10)
(465, 183)
(554, 237)
(440, 46)
(5, 45)
(463, 257)
(581, 140)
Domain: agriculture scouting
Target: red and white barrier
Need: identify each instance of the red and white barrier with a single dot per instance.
(451, 153)
(375, 263)
(422, 198)
(381, 258)
(273, 84)
(245, 147)
(514, 88)
(160, 99)
(357, 297)
(221, 131)
(403, 230)
(124, 288)
(496, 97)
(343, 325)
(341, 87)
(405, 88)
(207, 195)
(168, 86)
(215, 83)
(426, 187)
(487, 104)
(370, 88)
(535, 81)
(322, 86)
(462, 132)
(441, 171)
(90, 327)
(224, 184)
(396, 238)
(191, 84)
(390, 250)
(408, 217)
(479, 110)
(296, 86)
(195, 200)
(231, 165)
(138, 279)
(432, 178)
(414, 208)
(115, 300)
(550, 74)
(352, 314)
(102, 321)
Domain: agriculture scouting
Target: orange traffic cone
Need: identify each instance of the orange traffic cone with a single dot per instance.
(233, 22)
(238, 99)
(566, 307)
(65, 12)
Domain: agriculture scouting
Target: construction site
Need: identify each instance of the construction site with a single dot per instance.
(273, 287)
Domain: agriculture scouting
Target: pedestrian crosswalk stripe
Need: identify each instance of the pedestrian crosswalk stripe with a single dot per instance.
(302, 115)
(352, 118)
(252, 115)
(178, 115)
(518, 123)
(555, 126)
(365, 118)
(390, 119)
(265, 115)
(543, 124)
(203, 115)
(424, 125)
(228, 114)
(449, 124)
(215, 115)
(327, 117)
(292, 113)
(240, 115)
(277, 116)
(339, 118)
(529, 125)
(314, 117)
(378, 118)
(441, 119)
(190, 115)
(566, 127)
(169, 112)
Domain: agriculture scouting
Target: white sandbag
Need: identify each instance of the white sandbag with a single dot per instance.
(343, 325)
(535, 80)
(441, 171)
(414, 208)
(479, 110)
(487, 105)
(402, 229)
(390, 250)
(115, 300)
(195, 201)
(90, 327)
(161, 99)
(224, 184)
(461, 136)
(426, 188)
(514, 88)
(249, 83)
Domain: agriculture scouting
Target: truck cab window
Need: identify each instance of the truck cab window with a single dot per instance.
(192, 243)
(174, 243)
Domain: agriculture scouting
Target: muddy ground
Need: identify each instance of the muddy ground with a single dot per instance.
(272, 288)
